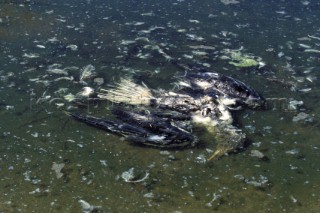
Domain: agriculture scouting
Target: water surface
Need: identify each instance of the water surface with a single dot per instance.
(36, 134)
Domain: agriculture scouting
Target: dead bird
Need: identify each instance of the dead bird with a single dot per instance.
(164, 130)
(202, 98)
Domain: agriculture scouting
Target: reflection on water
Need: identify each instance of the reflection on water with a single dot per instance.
(50, 162)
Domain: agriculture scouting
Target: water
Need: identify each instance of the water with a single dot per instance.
(36, 134)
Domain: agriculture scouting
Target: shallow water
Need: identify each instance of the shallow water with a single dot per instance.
(36, 134)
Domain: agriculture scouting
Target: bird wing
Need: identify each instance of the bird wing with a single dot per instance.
(144, 127)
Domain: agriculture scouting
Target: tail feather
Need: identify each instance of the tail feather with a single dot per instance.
(126, 91)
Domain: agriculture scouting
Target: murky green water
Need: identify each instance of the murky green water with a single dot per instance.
(35, 134)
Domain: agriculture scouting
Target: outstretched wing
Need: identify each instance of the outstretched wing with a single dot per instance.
(145, 128)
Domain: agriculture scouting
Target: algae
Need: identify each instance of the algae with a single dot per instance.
(239, 59)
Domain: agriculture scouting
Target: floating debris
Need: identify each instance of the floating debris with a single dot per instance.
(87, 72)
(194, 37)
(49, 11)
(294, 200)
(305, 46)
(239, 59)
(31, 55)
(203, 47)
(87, 207)
(61, 91)
(85, 92)
(147, 14)
(165, 152)
(206, 65)
(187, 56)
(59, 105)
(215, 197)
(64, 78)
(43, 98)
(69, 97)
(149, 195)
(311, 51)
(104, 162)
(57, 168)
(305, 90)
(294, 105)
(311, 78)
(98, 81)
(199, 53)
(305, 3)
(58, 71)
(72, 47)
(181, 30)
(194, 21)
(55, 69)
(165, 55)
(314, 37)
(53, 39)
(257, 154)
(130, 177)
(250, 128)
(201, 159)
(37, 190)
(304, 39)
(9, 107)
(127, 42)
(227, 2)
(41, 46)
(302, 116)
(262, 181)
(292, 152)
(135, 23)
(150, 30)
(37, 80)
(35, 135)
